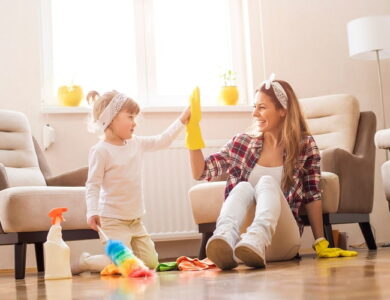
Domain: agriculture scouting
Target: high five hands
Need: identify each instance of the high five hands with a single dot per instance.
(194, 140)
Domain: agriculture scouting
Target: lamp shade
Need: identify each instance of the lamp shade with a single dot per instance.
(367, 34)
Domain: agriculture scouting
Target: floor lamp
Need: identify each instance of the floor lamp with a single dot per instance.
(369, 39)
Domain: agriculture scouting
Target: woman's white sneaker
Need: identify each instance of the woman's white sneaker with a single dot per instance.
(251, 251)
(220, 247)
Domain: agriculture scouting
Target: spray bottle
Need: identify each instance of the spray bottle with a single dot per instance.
(57, 253)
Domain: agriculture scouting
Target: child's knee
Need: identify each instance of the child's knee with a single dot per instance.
(150, 260)
(145, 250)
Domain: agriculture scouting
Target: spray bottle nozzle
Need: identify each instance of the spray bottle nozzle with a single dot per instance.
(56, 215)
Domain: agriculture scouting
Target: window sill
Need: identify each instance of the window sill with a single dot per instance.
(58, 109)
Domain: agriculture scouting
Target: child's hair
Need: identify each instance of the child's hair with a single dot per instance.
(101, 102)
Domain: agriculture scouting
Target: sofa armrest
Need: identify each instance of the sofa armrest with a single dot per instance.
(25, 208)
(76, 177)
(330, 193)
(4, 184)
(386, 179)
(206, 201)
(382, 139)
(356, 177)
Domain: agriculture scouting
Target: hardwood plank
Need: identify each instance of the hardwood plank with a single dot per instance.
(366, 276)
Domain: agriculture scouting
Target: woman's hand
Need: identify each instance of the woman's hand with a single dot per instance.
(193, 139)
(321, 246)
(185, 116)
(94, 222)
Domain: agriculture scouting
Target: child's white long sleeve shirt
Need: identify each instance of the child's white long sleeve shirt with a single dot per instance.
(114, 184)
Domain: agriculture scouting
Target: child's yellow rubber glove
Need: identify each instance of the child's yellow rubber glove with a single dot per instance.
(321, 247)
(194, 140)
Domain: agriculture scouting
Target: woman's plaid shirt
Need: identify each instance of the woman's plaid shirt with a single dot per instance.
(240, 155)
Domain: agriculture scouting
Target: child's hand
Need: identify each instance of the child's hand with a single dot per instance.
(185, 116)
(93, 222)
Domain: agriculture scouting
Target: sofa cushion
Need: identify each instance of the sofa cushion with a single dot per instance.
(333, 120)
(17, 152)
(25, 209)
(207, 199)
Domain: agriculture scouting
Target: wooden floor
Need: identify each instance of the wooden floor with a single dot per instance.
(364, 277)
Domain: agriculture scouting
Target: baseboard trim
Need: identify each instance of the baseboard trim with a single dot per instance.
(7, 271)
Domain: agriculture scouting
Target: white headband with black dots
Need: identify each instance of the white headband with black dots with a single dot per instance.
(111, 111)
(279, 91)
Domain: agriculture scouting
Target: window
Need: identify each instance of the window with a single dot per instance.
(156, 51)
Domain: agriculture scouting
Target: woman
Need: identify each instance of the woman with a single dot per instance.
(279, 170)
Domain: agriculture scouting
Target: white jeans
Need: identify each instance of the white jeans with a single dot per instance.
(274, 222)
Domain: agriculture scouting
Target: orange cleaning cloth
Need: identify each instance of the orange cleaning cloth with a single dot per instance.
(185, 263)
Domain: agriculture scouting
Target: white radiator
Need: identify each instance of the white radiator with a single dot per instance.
(167, 179)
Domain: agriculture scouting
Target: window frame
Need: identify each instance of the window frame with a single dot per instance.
(242, 52)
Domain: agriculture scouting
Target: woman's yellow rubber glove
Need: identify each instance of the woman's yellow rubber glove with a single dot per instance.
(321, 247)
(194, 140)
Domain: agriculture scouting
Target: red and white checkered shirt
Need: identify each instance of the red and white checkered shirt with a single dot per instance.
(240, 155)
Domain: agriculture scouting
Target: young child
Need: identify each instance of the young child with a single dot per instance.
(114, 186)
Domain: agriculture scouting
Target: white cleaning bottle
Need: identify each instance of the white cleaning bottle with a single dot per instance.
(57, 253)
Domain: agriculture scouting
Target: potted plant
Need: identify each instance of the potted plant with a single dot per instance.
(229, 91)
(70, 95)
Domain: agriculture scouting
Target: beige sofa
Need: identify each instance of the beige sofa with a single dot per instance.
(28, 192)
(345, 137)
(382, 141)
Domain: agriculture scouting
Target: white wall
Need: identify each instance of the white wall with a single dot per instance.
(305, 43)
